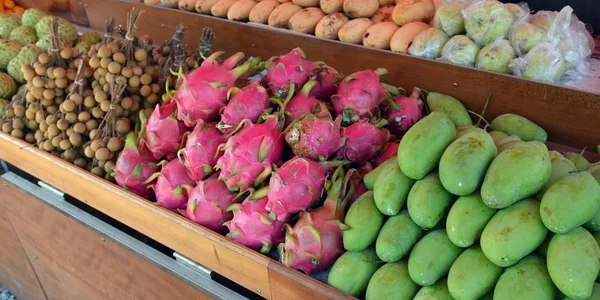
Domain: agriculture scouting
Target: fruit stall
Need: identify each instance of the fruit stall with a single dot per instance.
(305, 149)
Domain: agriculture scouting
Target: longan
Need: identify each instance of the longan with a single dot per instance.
(123, 125)
(84, 116)
(115, 144)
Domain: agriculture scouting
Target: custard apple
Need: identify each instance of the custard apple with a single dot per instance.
(83, 47)
(3, 103)
(26, 56)
(8, 50)
(91, 38)
(46, 41)
(23, 34)
(31, 16)
(64, 28)
(7, 24)
(8, 86)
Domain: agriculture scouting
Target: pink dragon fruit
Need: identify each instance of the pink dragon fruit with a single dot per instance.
(172, 183)
(251, 225)
(208, 203)
(201, 150)
(363, 141)
(359, 95)
(316, 137)
(249, 155)
(315, 242)
(134, 166)
(328, 79)
(163, 132)
(302, 103)
(359, 184)
(389, 151)
(295, 187)
(410, 111)
(247, 103)
(203, 93)
(290, 68)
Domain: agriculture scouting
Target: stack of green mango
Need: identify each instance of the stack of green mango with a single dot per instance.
(462, 213)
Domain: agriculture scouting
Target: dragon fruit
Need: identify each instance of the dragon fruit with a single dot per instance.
(359, 95)
(315, 242)
(247, 103)
(290, 68)
(363, 141)
(172, 183)
(208, 203)
(302, 103)
(163, 132)
(389, 151)
(134, 166)
(249, 155)
(295, 187)
(203, 93)
(251, 225)
(201, 150)
(327, 81)
(316, 137)
(409, 111)
(359, 184)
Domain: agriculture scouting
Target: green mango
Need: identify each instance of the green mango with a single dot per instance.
(570, 202)
(464, 163)
(507, 143)
(428, 201)
(364, 221)
(460, 131)
(595, 293)
(392, 281)
(372, 176)
(450, 106)
(432, 257)
(438, 291)
(579, 161)
(472, 275)
(574, 262)
(397, 236)
(497, 135)
(391, 190)
(543, 248)
(554, 154)
(594, 223)
(467, 219)
(489, 296)
(561, 167)
(423, 144)
(597, 238)
(513, 233)
(512, 124)
(353, 270)
(528, 279)
(516, 174)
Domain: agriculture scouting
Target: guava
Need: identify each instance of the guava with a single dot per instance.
(487, 21)
(496, 57)
(460, 50)
(523, 36)
(543, 63)
(543, 19)
(517, 10)
(449, 18)
(429, 43)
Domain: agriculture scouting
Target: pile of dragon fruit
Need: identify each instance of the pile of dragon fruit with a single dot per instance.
(270, 162)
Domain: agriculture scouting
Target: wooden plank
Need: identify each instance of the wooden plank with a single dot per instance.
(291, 284)
(72, 260)
(16, 272)
(570, 116)
(245, 267)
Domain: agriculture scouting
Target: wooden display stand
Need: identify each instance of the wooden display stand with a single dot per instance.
(570, 116)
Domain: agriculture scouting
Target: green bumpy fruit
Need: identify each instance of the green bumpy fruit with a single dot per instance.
(528, 279)
(391, 190)
(513, 233)
(497, 135)
(24, 35)
(579, 161)
(450, 106)
(8, 50)
(3, 104)
(352, 272)
(7, 24)
(496, 56)
(438, 291)
(561, 167)
(422, 146)
(570, 202)
(83, 47)
(66, 29)
(372, 176)
(574, 262)
(8, 86)
(31, 16)
(465, 162)
(428, 201)
(515, 174)
(467, 219)
(90, 38)
(45, 42)
(512, 124)
(25, 56)
(365, 221)
(472, 275)
(392, 281)
(397, 237)
(432, 257)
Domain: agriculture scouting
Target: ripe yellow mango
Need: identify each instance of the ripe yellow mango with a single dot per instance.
(428, 201)
(391, 189)
(432, 257)
(512, 124)
(392, 281)
(528, 279)
(472, 275)
(467, 219)
(397, 237)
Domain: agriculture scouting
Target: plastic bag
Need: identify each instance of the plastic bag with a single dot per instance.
(496, 56)
(429, 43)
(487, 21)
(572, 40)
(523, 36)
(460, 50)
(449, 17)
(543, 63)
(519, 10)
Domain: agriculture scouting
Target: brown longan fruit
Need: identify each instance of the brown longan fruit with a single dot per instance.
(140, 55)
(104, 51)
(68, 106)
(51, 119)
(115, 144)
(33, 125)
(47, 145)
(40, 70)
(62, 124)
(38, 135)
(38, 82)
(127, 103)
(113, 46)
(119, 110)
(80, 162)
(59, 73)
(97, 144)
(91, 125)
(155, 88)
(100, 96)
(109, 166)
(30, 114)
(19, 110)
(30, 97)
(43, 126)
(30, 138)
(97, 112)
(127, 72)
(145, 90)
(75, 139)
(137, 71)
(79, 128)
(64, 144)
(121, 80)
(89, 102)
(136, 106)
(18, 124)
(88, 152)
(66, 53)
(38, 92)
(88, 72)
(61, 83)
(52, 108)
(76, 98)
(28, 74)
(69, 154)
(119, 57)
(134, 81)
(152, 99)
(56, 141)
(93, 133)
(18, 133)
(7, 127)
(34, 107)
(71, 74)
(84, 116)
(71, 117)
(44, 58)
(123, 125)
(69, 131)
(49, 94)
(98, 171)
(104, 62)
(102, 153)
(53, 130)
(105, 105)
(94, 62)
(50, 84)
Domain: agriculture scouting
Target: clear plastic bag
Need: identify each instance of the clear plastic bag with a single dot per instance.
(523, 36)
(496, 56)
(543, 19)
(519, 10)
(543, 63)
(429, 43)
(572, 40)
(487, 21)
(460, 50)
(449, 17)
